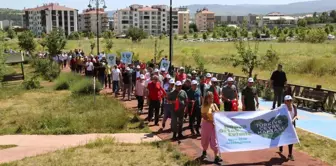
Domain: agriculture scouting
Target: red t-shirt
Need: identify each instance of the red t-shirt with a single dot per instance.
(156, 92)
(181, 77)
(143, 66)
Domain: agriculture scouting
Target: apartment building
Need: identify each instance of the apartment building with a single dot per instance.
(205, 20)
(183, 20)
(87, 21)
(250, 19)
(152, 19)
(49, 16)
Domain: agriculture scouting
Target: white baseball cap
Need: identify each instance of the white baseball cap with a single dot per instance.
(250, 80)
(127, 68)
(194, 82)
(230, 79)
(168, 76)
(214, 79)
(138, 67)
(208, 75)
(163, 69)
(172, 81)
(288, 97)
(193, 72)
(142, 76)
(181, 68)
(156, 70)
(178, 83)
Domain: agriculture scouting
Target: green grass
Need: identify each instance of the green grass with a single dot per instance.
(317, 146)
(302, 61)
(107, 152)
(7, 146)
(59, 112)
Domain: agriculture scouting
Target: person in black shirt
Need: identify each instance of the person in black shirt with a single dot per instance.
(127, 81)
(250, 97)
(101, 73)
(278, 82)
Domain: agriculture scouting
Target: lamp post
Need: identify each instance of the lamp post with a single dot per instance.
(171, 36)
(97, 3)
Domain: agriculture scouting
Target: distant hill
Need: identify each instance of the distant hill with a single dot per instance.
(292, 8)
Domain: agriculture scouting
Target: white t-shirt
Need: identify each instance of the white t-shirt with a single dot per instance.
(89, 66)
(115, 74)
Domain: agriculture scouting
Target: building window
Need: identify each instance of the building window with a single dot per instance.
(146, 13)
(163, 15)
(153, 13)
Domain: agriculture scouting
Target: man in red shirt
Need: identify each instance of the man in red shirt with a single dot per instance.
(155, 95)
(181, 75)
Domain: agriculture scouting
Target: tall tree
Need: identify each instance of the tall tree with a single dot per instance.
(302, 23)
(55, 42)
(333, 15)
(26, 41)
(11, 33)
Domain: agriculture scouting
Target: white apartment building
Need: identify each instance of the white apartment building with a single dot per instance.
(87, 21)
(154, 20)
(49, 16)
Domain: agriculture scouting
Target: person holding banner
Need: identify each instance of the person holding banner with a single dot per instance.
(179, 99)
(155, 95)
(214, 88)
(194, 107)
(249, 96)
(293, 113)
(208, 128)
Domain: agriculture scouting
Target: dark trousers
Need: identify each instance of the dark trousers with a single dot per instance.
(227, 106)
(115, 87)
(195, 116)
(101, 79)
(127, 87)
(278, 96)
(108, 81)
(177, 121)
(154, 107)
(89, 73)
(290, 147)
(162, 107)
(140, 102)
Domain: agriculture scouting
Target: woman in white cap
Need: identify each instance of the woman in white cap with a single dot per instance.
(179, 98)
(140, 92)
(168, 106)
(293, 113)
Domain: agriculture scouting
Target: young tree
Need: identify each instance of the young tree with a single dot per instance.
(247, 57)
(256, 33)
(270, 59)
(55, 42)
(214, 35)
(193, 27)
(92, 45)
(108, 34)
(136, 34)
(205, 36)
(291, 33)
(195, 35)
(108, 44)
(11, 33)
(185, 36)
(199, 60)
(74, 36)
(90, 35)
(43, 43)
(2, 57)
(26, 41)
(302, 23)
(175, 37)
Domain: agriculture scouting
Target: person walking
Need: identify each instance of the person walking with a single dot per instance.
(229, 93)
(293, 113)
(179, 99)
(127, 82)
(165, 87)
(140, 92)
(168, 106)
(116, 77)
(108, 75)
(208, 134)
(278, 82)
(194, 107)
(155, 95)
(101, 73)
(89, 69)
(249, 97)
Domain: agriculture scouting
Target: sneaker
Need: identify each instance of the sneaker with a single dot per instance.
(204, 155)
(180, 136)
(192, 132)
(217, 160)
(174, 137)
(291, 157)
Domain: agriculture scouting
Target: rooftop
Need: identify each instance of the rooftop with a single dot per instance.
(49, 6)
(93, 11)
(275, 14)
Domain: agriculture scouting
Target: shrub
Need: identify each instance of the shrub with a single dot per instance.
(316, 36)
(267, 94)
(66, 80)
(49, 70)
(31, 83)
(85, 86)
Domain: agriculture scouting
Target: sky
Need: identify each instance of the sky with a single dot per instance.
(117, 4)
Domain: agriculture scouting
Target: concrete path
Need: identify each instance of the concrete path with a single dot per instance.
(32, 145)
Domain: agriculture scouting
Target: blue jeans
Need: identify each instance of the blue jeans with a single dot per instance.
(115, 87)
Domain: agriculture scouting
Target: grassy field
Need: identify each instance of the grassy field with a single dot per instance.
(106, 152)
(7, 146)
(303, 62)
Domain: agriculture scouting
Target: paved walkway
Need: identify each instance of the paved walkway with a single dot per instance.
(192, 147)
(32, 145)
